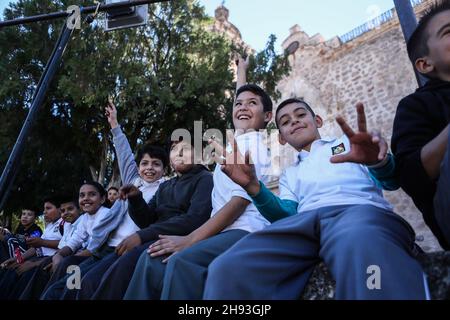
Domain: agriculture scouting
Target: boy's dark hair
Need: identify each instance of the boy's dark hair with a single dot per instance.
(417, 45)
(265, 99)
(31, 208)
(97, 186)
(153, 151)
(55, 200)
(114, 188)
(70, 199)
(290, 101)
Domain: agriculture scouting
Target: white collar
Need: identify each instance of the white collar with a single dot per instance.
(319, 142)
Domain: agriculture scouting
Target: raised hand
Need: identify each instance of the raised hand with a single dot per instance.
(111, 114)
(367, 149)
(238, 168)
(129, 191)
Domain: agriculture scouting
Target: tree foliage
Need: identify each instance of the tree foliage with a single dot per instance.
(161, 77)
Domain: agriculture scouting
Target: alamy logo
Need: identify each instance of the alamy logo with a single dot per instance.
(74, 22)
(74, 280)
(374, 280)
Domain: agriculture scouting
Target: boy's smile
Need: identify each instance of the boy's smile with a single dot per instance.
(297, 126)
(248, 112)
(150, 169)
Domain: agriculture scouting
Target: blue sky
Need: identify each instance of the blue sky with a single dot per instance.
(257, 19)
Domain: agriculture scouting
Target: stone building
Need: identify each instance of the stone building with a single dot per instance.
(369, 64)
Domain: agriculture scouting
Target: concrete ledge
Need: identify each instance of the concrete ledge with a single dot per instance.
(321, 285)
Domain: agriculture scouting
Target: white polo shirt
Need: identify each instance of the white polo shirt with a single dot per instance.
(127, 227)
(315, 182)
(224, 188)
(69, 230)
(51, 232)
(84, 228)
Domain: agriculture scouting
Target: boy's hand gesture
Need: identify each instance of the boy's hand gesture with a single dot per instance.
(367, 149)
(111, 114)
(129, 191)
(239, 169)
(242, 63)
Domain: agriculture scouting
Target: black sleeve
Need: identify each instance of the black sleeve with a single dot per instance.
(199, 211)
(142, 213)
(413, 129)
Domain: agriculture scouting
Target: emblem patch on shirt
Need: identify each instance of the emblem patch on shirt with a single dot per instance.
(338, 149)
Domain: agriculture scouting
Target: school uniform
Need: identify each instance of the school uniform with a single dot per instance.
(77, 241)
(11, 284)
(154, 280)
(341, 218)
(178, 207)
(40, 277)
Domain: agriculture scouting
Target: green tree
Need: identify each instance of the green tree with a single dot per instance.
(163, 76)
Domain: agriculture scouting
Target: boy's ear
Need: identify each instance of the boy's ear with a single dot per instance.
(268, 116)
(424, 65)
(281, 139)
(318, 120)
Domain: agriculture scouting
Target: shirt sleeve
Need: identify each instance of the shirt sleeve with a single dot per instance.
(127, 165)
(384, 176)
(272, 207)
(79, 236)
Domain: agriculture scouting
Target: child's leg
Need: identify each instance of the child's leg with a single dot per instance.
(274, 263)
(56, 286)
(91, 278)
(114, 282)
(146, 283)
(38, 281)
(193, 263)
(368, 251)
(442, 197)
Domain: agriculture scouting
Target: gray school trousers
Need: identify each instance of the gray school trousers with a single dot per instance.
(442, 196)
(368, 251)
(184, 276)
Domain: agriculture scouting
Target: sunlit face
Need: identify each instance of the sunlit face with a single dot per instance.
(248, 112)
(51, 212)
(297, 126)
(69, 212)
(90, 199)
(182, 157)
(150, 169)
(27, 217)
(439, 44)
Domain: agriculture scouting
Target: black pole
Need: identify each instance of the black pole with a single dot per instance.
(408, 22)
(91, 9)
(13, 164)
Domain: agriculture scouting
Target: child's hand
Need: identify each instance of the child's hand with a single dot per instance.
(168, 245)
(242, 63)
(129, 191)
(367, 149)
(111, 114)
(128, 243)
(238, 168)
(35, 242)
(56, 260)
(9, 264)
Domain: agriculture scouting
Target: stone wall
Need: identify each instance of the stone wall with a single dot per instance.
(333, 76)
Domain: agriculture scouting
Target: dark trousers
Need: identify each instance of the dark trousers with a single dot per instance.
(58, 281)
(114, 282)
(38, 280)
(367, 249)
(442, 197)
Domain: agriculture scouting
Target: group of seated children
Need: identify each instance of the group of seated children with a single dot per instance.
(224, 235)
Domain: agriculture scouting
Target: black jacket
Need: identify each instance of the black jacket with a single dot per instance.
(420, 117)
(181, 205)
